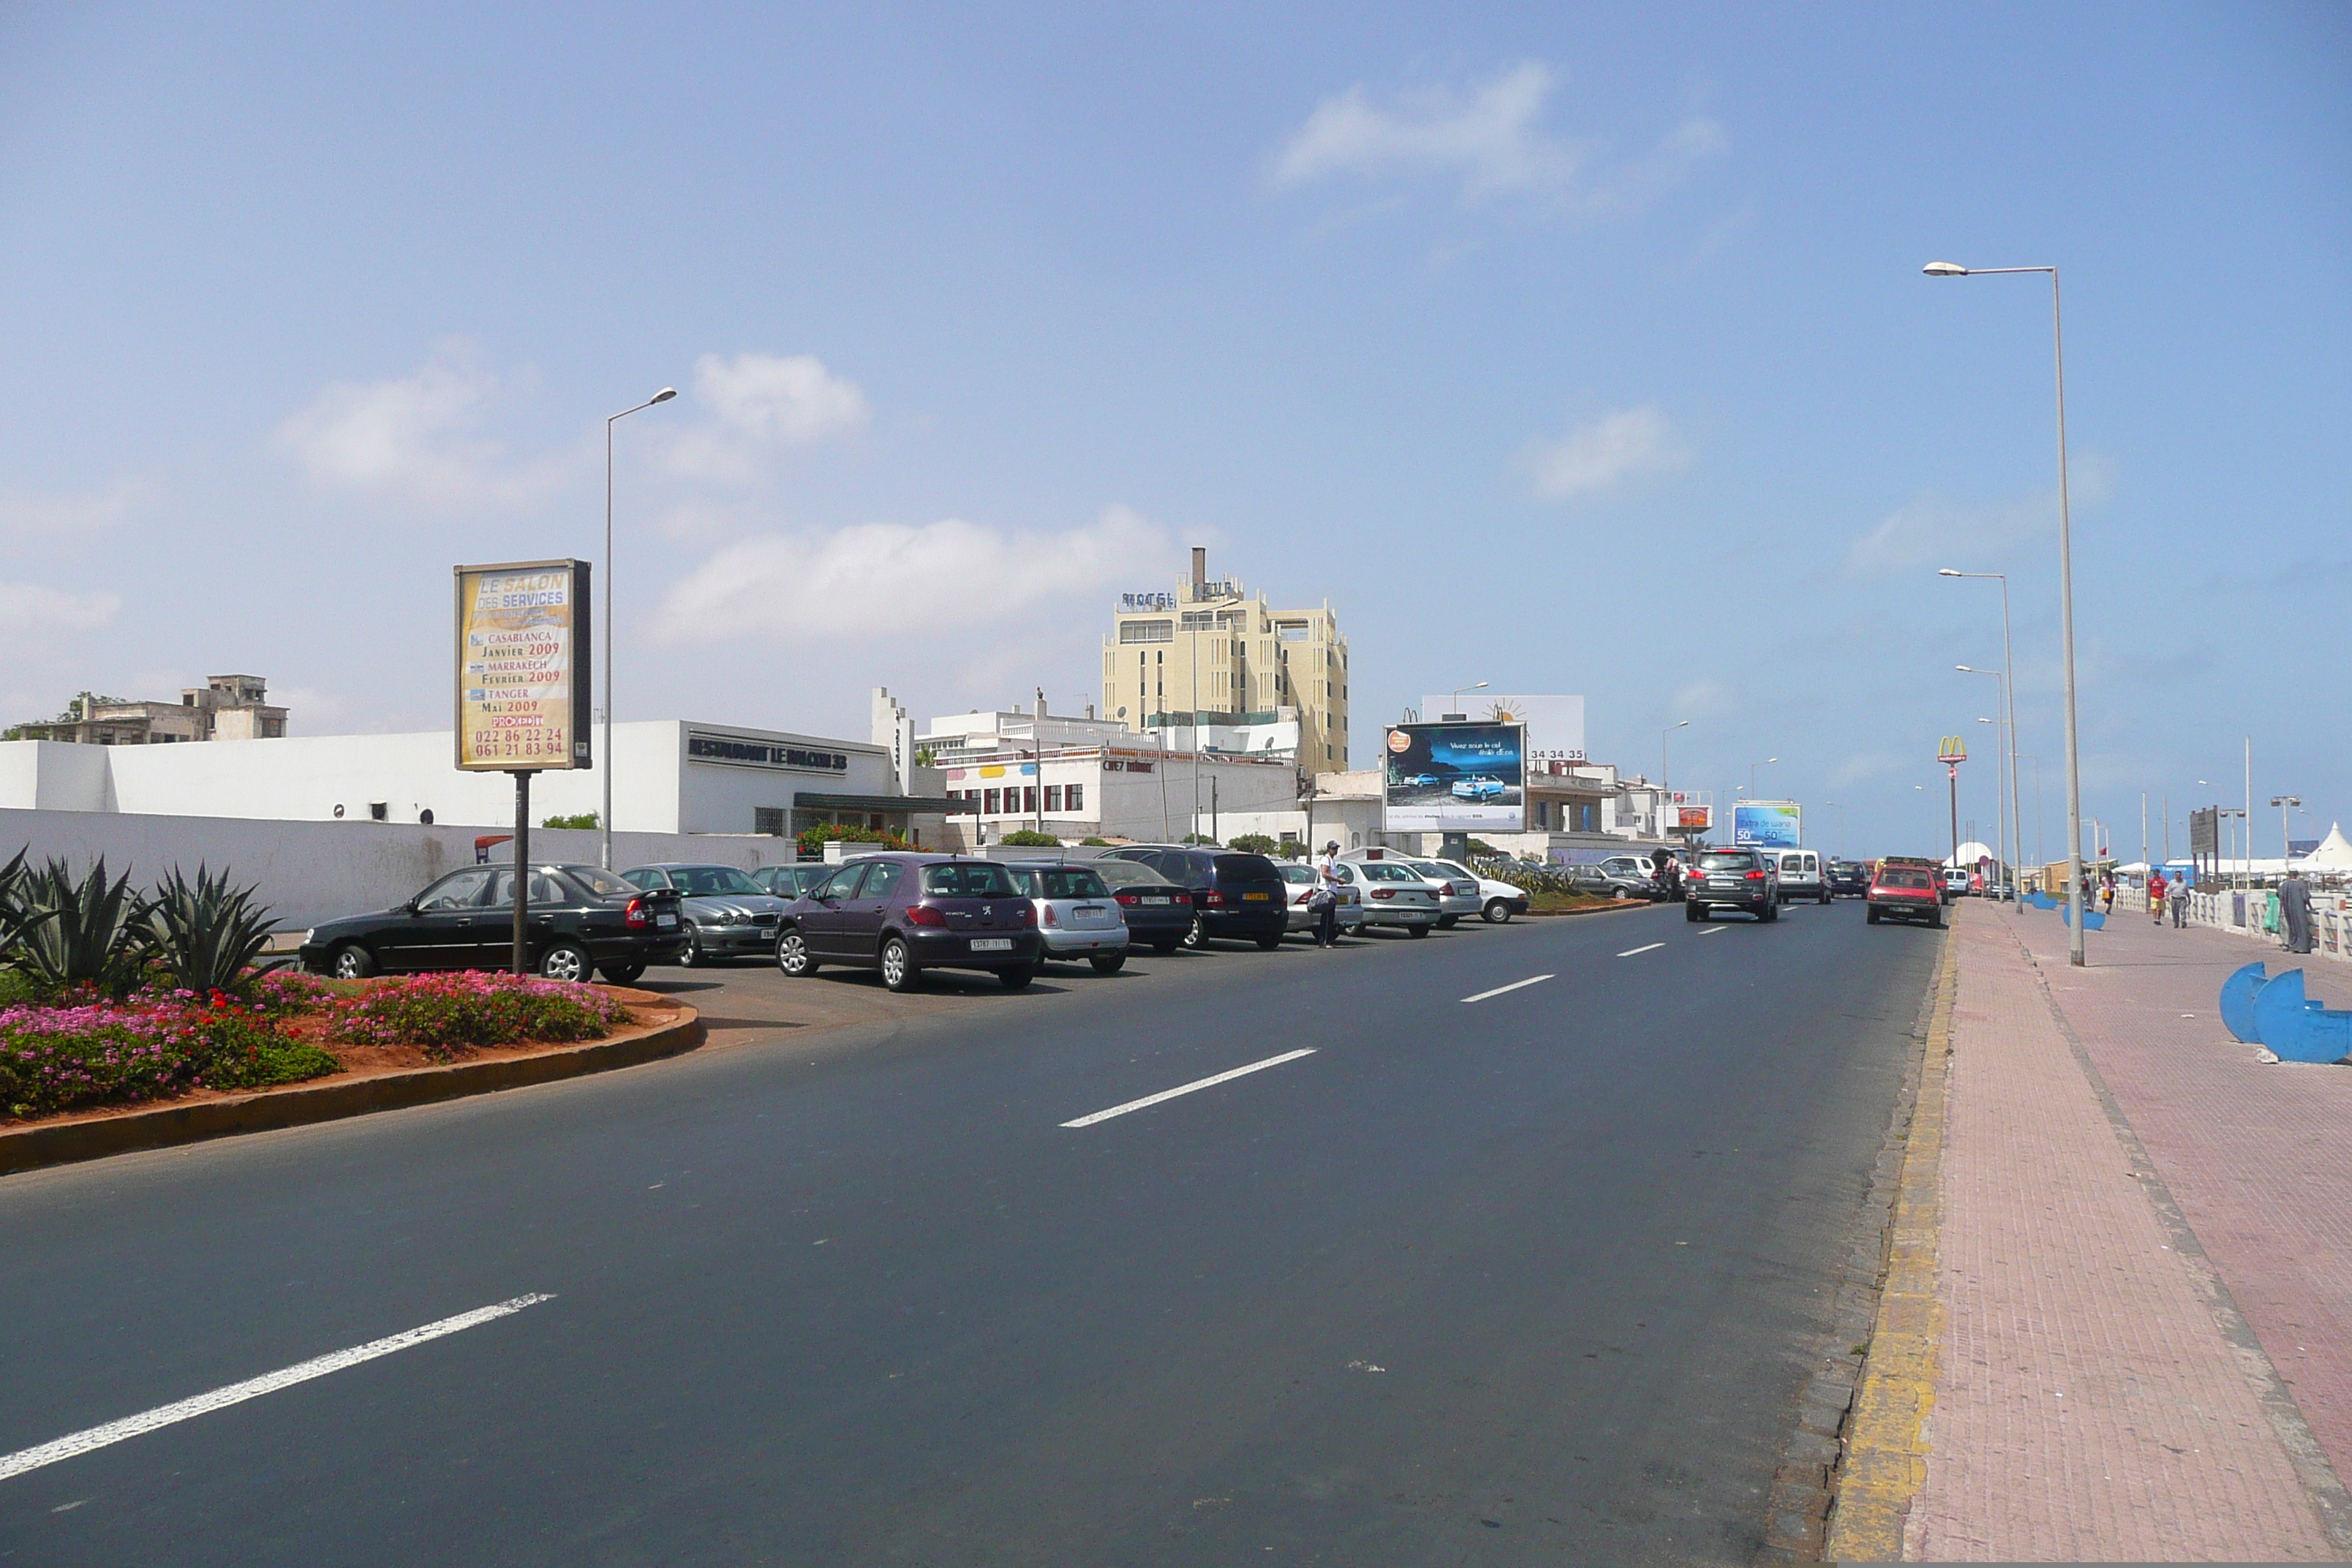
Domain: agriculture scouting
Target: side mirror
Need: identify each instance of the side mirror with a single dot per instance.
(409, 908)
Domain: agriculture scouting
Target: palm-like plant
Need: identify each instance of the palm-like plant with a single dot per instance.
(76, 933)
(11, 914)
(204, 933)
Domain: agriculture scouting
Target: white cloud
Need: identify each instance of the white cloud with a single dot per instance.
(1613, 449)
(1934, 531)
(763, 401)
(1488, 137)
(48, 523)
(35, 617)
(1703, 699)
(888, 580)
(417, 438)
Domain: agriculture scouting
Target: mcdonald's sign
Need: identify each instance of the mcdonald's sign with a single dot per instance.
(1952, 749)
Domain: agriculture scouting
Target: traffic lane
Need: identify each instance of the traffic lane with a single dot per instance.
(1224, 1292)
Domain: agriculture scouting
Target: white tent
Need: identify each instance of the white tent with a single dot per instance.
(1970, 853)
(2334, 854)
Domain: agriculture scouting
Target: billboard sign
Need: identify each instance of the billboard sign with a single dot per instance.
(1693, 812)
(522, 666)
(1555, 724)
(1767, 823)
(1455, 778)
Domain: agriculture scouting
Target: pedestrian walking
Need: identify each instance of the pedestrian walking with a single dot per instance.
(1325, 899)
(2294, 910)
(2107, 892)
(2179, 898)
(2156, 888)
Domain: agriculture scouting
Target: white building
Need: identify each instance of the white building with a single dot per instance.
(670, 776)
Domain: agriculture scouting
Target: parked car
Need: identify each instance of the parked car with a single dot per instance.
(1801, 876)
(1479, 787)
(1233, 895)
(1303, 880)
(578, 919)
(1076, 915)
(1456, 890)
(1905, 892)
(728, 915)
(1958, 882)
(1746, 880)
(1421, 781)
(1159, 912)
(1629, 877)
(1394, 895)
(903, 913)
(1497, 901)
(788, 882)
(1849, 877)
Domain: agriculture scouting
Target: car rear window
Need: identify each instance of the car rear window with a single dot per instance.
(1297, 876)
(967, 880)
(601, 882)
(1903, 879)
(707, 881)
(1128, 874)
(1726, 862)
(1246, 868)
(1070, 882)
(1387, 871)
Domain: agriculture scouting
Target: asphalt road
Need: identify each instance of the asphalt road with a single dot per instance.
(1497, 1281)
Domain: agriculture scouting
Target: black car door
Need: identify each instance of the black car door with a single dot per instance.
(442, 933)
(821, 920)
(861, 917)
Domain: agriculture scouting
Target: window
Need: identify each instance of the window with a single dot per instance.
(1076, 795)
(1147, 631)
(1028, 800)
(989, 806)
(707, 881)
(967, 880)
(768, 819)
(1069, 882)
(883, 881)
(459, 890)
(1052, 797)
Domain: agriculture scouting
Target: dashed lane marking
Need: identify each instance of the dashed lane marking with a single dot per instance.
(1195, 1085)
(1714, 930)
(1632, 952)
(1513, 986)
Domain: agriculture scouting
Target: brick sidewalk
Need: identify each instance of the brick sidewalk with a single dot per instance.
(2088, 1403)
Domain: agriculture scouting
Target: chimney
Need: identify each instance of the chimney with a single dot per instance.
(1200, 570)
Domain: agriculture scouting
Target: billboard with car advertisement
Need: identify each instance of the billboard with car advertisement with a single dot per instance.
(1555, 725)
(1767, 823)
(1455, 778)
(522, 666)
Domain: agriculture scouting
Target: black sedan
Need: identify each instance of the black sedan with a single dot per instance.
(1233, 895)
(579, 920)
(1158, 912)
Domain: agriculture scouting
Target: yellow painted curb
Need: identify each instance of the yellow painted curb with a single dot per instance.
(1885, 1458)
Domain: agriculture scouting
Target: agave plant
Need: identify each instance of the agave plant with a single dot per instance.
(75, 933)
(11, 914)
(205, 934)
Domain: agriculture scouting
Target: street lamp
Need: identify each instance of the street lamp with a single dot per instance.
(1456, 700)
(2009, 689)
(2286, 803)
(1997, 674)
(1663, 735)
(2066, 601)
(664, 395)
(1841, 811)
(1751, 775)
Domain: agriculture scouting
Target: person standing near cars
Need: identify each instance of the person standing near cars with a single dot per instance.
(1326, 897)
(2294, 910)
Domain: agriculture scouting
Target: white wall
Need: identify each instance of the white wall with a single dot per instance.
(312, 872)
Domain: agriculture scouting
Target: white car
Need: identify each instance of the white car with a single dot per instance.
(1302, 880)
(1803, 876)
(1076, 914)
(1395, 894)
(1497, 901)
(1456, 890)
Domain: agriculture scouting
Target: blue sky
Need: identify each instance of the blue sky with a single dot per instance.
(1579, 351)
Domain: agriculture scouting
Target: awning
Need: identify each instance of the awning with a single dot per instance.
(901, 804)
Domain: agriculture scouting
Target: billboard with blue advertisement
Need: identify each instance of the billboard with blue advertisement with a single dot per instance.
(1767, 823)
(1456, 778)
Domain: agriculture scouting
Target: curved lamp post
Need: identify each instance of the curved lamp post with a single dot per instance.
(664, 395)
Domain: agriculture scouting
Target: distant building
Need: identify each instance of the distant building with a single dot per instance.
(1210, 658)
(225, 707)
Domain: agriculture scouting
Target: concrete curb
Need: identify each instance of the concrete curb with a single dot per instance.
(1885, 1460)
(1609, 909)
(331, 1100)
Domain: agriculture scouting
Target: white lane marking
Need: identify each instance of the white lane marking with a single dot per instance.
(1630, 952)
(1513, 986)
(1714, 930)
(96, 1437)
(1208, 1082)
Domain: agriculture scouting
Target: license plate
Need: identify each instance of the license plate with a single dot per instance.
(666, 921)
(991, 944)
(1163, 899)
(1255, 898)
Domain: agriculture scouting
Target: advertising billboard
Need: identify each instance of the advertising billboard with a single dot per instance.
(1455, 778)
(1555, 725)
(1767, 823)
(522, 666)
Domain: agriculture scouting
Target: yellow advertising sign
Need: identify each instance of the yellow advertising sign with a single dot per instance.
(1952, 749)
(522, 666)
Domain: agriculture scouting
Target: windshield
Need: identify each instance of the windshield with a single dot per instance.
(1070, 882)
(1246, 868)
(967, 880)
(705, 881)
(601, 882)
(1298, 876)
(1726, 862)
(1128, 874)
(1387, 871)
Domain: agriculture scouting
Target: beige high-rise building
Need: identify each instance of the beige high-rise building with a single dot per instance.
(1210, 655)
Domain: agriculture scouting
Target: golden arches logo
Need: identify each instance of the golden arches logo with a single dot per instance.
(1952, 749)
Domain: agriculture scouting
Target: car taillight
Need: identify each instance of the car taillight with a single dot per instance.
(1026, 915)
(1052, 917)
(1384, 892)
(1755, 876)
(636, 916)
(1214, 900)
(924, 915)
(1129, 898)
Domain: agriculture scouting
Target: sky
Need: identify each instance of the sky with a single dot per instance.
(1575, 349)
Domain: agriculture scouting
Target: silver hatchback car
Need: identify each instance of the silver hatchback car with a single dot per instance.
(1302, 880)
(1395, 894)
(1077, 915)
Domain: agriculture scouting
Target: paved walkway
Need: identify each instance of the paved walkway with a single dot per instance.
(2097, 1395)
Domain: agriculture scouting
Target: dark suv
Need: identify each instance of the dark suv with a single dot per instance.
(905, 913)
(1849, 877)
(1233, 895)
(1734, 879)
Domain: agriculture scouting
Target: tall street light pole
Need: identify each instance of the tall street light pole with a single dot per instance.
(2009, 699)
(2001, 804)
(606, 822)
(1456, 702)
(2075, 955)
(1663, 735)
(1841, 811)
(1751, 775)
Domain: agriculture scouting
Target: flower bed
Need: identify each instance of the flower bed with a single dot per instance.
(444, 1014)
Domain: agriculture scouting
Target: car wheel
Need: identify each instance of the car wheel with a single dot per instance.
(1694, 913)
(1937, 919)
(1619, 894)
(1164, 946)
(1496, 912)
(1826, 898)
(351, 961)
(1014, 979)
(898, 970)
(693, 957)
(1108, 963)
(1196, 934)
(792, 954)
(1416, 930)
(622, 973)
(1769, 913)
(567, 961)
(1870, 916)
(1268, 943)
(1447, 922)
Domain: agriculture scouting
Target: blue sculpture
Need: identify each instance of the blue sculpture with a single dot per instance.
(2274, 1013)
(2092, 918)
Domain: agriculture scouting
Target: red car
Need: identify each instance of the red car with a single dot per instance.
(1904, 891)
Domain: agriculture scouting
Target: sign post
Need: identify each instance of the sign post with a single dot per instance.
(523, 692)
(1951, 750)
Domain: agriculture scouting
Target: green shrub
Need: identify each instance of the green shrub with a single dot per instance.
(812, 841)
(1253, 844)
(205, 935)
(577, 819)
(1029, 839)
(445, 1013)
(1095, 843)
(89, 932)
(1198, 838)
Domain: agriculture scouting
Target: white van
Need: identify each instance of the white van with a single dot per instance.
(1803, 876)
